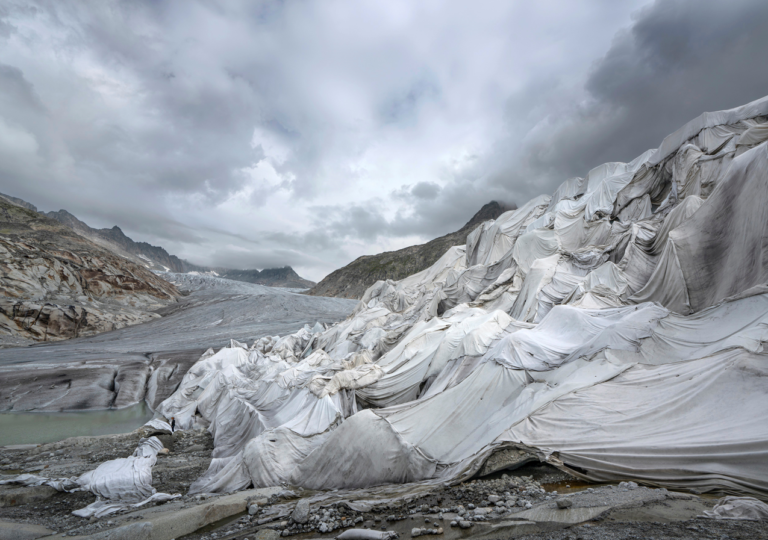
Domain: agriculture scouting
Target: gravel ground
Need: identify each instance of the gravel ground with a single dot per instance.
(696, 529)
(516, 504)
(189, 457)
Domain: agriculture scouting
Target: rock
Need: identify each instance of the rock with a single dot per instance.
(505, 458)
(564, 503)
(267, 534)
(86, 289)
(454, 523)
(415, 532)
(465, 524)
(253, 509)
(22, 531)
(301, 512)
(195, 448)
(25, 495)
(494, 498)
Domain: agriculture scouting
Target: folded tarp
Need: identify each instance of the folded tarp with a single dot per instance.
(721, 250)
(698, 423)
(617, 327)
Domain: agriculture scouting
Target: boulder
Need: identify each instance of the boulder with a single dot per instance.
(301, 512)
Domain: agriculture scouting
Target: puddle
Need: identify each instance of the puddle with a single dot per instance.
(38, 428)
(574, 486)
(221, 523)
(570, 486)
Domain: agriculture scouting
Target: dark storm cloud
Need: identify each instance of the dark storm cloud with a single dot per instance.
(426, 190)
(680, 58)
(170, 129)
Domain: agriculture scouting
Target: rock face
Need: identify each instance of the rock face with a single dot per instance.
(57, 285)
(352, 280)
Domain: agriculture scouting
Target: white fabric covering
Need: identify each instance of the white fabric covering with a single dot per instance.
(617, 327)
(747, 508)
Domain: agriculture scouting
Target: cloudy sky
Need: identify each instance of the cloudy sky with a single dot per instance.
(260, 134)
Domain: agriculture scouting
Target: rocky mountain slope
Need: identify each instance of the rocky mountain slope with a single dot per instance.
(56, 284)
(352, 280)
(154, 257)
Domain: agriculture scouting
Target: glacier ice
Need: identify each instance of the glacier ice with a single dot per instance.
(616, 328)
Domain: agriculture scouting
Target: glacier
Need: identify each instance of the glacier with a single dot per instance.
(615, 329)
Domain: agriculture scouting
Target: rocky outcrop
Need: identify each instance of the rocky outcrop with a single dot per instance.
(352, 280)
(55, 284)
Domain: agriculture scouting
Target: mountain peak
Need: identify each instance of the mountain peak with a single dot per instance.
(489, 211)
(352, 280)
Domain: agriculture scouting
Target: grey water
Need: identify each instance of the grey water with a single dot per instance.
(39, 428)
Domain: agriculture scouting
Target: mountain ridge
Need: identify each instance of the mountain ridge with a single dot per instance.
(56, 284)
(352, 280)
(156, 258)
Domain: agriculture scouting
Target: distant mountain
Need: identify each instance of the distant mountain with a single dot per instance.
(158, 259)
(153, 257)
(56, 284)
(273, 277)
(352, 280)
(19, 202)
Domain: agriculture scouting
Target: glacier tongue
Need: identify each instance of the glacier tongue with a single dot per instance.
(616, 327)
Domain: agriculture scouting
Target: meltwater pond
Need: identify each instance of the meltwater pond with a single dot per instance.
(38, 428)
